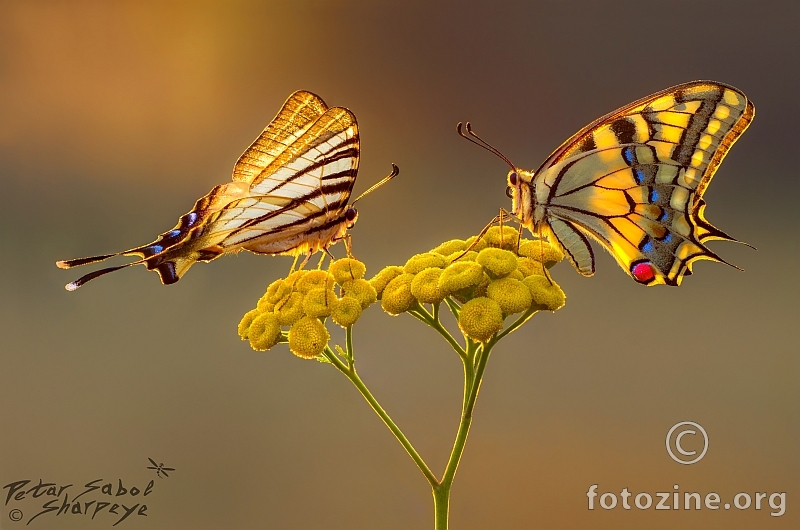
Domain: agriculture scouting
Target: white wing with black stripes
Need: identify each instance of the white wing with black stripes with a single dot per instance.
(289, 195)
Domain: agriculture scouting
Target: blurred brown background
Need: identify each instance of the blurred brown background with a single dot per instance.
(115, 117)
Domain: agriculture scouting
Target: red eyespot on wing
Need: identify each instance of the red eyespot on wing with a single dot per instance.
(643, 272)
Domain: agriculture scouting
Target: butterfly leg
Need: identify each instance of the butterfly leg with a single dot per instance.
(305, 261)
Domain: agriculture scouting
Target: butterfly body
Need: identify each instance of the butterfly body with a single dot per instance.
(633, 181)
(289, 196)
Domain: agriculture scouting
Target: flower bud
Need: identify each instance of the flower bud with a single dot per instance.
(509, 237)
(480, 289)
(319, 302)
(347, 269)
(361, 290)
(314, 280)
(424, 261)
(511, 295)
(346, 312)
(545, 293)
(448, 247)
(265, 332)
(290, 310)
(425, 286)
(277, 291)
(529, 267)
(382, 279)
(497, 262)
(480, 245)
(461, 256)
(247, 320)
(541, 251)
(397, 297)
(480, 318)
(308, 337)
(459, 276)
(264, 305)
(294, 277)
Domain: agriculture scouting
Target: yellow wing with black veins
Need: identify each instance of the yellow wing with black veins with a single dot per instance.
(634, 180)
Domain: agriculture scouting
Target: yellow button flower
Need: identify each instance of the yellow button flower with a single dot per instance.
(448, 247)
(480, 289)
(346, 269)
(294, 277)
(290, 310)
(546, 294)
(480, 318)
(425, 286)
(420, 262)
(497, 262)
(264, 305)
(460, 276)
(541, 251)
(361, 290)
(319, 302)
(529, 267)
(265, 332)
(480, 245)
(277, 291)
(509, 237)
(382, 279)
(308, 337)
(397, 297)
(314, 280)
(461, 256)
(511, 295)
(346, 312)
(247, 320)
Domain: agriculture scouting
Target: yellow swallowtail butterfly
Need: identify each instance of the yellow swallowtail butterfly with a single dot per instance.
(289, 196)
(633, 181)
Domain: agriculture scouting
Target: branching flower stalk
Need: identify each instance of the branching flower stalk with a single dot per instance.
(484, 284)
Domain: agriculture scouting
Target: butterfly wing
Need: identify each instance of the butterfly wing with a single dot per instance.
(634, 180)
(300, 111)
(299, 197)
(290, 188)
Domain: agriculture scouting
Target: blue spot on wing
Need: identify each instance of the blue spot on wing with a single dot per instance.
(638, 174)
(629, 155)
(648, 247)
(654, 195)
(668, 238)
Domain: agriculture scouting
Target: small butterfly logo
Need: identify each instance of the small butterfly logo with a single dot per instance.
(159, 468)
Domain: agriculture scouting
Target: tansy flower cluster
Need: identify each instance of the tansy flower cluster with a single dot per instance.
(484, 281)
(492, 279)
(302, 302)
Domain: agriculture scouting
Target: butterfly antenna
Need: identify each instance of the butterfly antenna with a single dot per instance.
(384, 180)
(480, 142)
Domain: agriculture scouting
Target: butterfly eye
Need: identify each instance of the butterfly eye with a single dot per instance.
(509, 192)
(512, 178)
(350, 214)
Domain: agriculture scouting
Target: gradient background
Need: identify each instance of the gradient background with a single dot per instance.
(114, 118)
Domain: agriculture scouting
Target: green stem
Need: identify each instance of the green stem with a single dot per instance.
(527, 315)
(352, 375)
(472, 383)
(441, 508)
(426, 317)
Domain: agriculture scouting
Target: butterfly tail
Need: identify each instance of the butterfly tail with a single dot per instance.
(68, 264)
